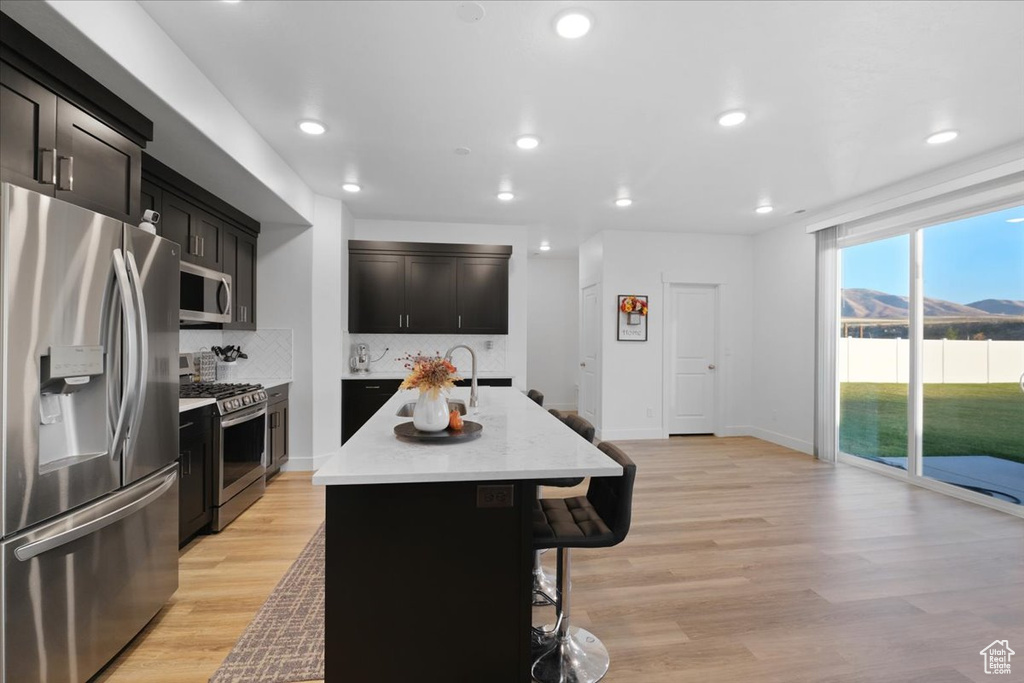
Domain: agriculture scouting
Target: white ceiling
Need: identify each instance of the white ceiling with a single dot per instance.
(841, 96)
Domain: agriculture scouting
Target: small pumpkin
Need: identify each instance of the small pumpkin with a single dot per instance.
(455, 421)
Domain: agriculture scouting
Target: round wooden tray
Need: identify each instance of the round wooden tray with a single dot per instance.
(470, 430)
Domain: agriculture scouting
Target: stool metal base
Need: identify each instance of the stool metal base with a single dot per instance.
(545, 590)
(579, 657)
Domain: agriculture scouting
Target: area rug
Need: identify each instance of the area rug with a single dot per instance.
(284, 642)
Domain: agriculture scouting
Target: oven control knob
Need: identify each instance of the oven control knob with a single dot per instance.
(233, 403)
(245, 400)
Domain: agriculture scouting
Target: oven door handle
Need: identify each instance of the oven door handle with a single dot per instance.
(238, 418)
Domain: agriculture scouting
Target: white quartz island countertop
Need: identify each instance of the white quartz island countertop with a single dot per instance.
(520, 440)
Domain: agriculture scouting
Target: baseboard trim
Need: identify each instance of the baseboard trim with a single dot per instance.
(740, 430)
(630, 434)
(782, 440)
(305, 464)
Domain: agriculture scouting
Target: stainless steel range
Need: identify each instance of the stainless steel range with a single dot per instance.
(240, 428)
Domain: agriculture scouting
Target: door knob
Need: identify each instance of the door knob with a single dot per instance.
(711, 367)
(583, 365)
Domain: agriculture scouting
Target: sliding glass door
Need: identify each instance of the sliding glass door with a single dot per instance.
(930, 370)
(973, 354)
(874, 352)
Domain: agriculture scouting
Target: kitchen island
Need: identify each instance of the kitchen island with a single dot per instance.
(429, 547)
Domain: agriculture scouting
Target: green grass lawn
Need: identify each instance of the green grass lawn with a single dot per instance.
(959, 419)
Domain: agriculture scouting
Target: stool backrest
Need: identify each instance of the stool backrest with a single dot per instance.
(612, 497)
(580, 425)
(558, 414)
(536, 397)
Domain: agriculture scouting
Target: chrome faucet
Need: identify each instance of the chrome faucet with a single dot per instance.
(472, 384)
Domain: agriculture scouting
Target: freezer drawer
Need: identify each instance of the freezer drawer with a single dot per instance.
(78, 589)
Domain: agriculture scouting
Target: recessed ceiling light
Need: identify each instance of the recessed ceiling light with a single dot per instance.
(351, 187)
(573, 24)
(732, 118)
(312, 127)
(941, 136)
(1015, 220)
(232, 2)
(544, 246)
(463, 151)
(623, 202)
(527, 142)
(765, 209)
(506, 196)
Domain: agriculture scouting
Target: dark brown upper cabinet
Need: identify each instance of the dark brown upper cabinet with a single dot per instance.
(376, 292)
(97, 167)
(482, 296)
(428, 288)
(430, 294)
(28, 132)
(240, 264)
(199, 234)
(65, 135)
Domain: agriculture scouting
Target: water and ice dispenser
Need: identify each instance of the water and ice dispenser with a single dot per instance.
(72, 403)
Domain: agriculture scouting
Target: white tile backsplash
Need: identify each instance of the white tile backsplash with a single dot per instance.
(269, 351)
(492, 359)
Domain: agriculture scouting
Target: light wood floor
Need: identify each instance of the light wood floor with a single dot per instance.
(745, 562)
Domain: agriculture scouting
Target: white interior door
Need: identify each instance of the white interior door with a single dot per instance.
(692, 329)
(590, 351)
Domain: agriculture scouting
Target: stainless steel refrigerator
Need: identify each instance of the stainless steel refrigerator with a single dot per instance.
(89, 391)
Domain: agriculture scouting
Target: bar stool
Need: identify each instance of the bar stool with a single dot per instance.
(545, 590)
(536, 397)
(598, 520)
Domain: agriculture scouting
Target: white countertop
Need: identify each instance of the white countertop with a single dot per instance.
(520, 440)
(400, 374)
(186, 404)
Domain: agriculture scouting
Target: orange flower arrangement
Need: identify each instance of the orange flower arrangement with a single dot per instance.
(634, 304)
(429, 373)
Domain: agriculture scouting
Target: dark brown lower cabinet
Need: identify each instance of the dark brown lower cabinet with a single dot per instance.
(277, 429)
(195, 473)
(361, 398)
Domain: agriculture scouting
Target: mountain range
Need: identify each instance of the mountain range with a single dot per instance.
(871, 304)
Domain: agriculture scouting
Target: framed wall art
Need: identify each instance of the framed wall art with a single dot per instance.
(632, 321)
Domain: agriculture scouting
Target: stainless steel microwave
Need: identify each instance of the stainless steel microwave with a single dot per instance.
(205, 295)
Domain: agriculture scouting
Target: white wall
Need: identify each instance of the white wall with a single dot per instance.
(284, 298)
(632, 373)
(782, 386)
(300, 288)
(465, 233)
(553, 330)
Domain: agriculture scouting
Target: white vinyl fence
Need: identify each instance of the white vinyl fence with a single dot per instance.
(946, 361)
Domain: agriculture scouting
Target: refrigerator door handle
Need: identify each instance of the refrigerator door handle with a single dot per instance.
(128, 399)
(142, 332)
(30, 550)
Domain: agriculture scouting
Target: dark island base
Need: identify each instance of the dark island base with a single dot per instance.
(429, 582)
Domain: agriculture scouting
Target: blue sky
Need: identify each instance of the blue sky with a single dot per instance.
(964, 261)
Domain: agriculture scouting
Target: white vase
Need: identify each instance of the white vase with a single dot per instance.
(431, 412)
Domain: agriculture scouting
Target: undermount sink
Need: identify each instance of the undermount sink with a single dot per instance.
(453, 404)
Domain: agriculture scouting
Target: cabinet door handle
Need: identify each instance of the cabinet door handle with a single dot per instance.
(193, 245)
(202, 247)
(185, 426)
(399, 321)
(460, 322)
(186, 457)
(406, 321)
(48, 166)
(373, 387)
(66, 173)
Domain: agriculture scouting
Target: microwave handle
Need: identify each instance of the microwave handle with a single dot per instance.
(227, 288)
